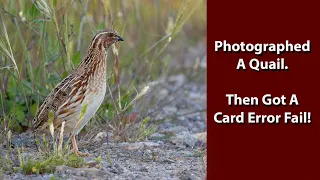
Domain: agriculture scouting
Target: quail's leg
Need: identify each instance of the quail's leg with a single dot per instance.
(75, 147)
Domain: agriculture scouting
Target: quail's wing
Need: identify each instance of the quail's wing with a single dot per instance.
(62, 100)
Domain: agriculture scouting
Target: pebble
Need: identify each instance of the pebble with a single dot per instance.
(142, 145)
(188, 153)
(170, 109)
(177, 79)
(144, 169)
(181, 118)
(168, 161)
(202, 137)
(175, 130)
(187, 175)
(156, 136)
(163, 92)
(184, 138)
(89, 172)
(100, 136)
(195, 95)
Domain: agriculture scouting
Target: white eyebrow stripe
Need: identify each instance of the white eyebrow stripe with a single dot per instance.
(94, 40)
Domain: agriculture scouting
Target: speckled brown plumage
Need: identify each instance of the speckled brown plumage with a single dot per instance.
(85, 85)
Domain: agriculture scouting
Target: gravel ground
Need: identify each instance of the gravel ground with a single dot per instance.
(176, 151)
(143, 160)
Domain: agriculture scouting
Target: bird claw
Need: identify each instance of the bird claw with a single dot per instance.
(80, 154)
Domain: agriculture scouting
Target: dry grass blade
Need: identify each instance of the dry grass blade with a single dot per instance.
(5, 46)
(83, 111)
(50, 120)
(5, 124)
(61, 138)
(9, 136)
(144, 91)
(116, 63)
(186, 10)
(43, 8)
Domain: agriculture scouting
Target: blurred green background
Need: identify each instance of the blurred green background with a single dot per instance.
(43, 41)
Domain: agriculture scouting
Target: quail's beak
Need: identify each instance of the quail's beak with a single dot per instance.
(120, 38)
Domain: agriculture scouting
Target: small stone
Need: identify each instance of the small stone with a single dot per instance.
(169, 168)
(202, 137)
(188, 153)
(160, 143)
(91, 162)
(156, 136)
(163, 92)
(130, 176)
(89, 172)
(141, 145)
(187, 175)
(203, 63)
(168, 161)
(178, 79)
(123, 144)
(175, 130)
(144, 169)
(195, 95)
(170, 109)
(184, 138)
(117, 169)
(100, 136)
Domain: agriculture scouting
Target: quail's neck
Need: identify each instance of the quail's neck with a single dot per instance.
(94, 57)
